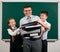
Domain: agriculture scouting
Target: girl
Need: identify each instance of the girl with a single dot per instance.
(16, 39)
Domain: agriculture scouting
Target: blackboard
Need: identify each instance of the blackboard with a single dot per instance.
(15, 10)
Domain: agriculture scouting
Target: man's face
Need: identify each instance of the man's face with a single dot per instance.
(43, 16)
(27, 11)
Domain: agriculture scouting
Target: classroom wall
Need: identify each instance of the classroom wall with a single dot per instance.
(52, 46)
(4, 46)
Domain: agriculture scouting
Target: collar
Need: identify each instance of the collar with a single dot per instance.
(28, 17)
(45, 21)
(13, 28)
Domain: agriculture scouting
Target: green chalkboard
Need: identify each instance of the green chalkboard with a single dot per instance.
(15, 10)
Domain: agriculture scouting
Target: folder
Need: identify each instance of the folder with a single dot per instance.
(32, 27)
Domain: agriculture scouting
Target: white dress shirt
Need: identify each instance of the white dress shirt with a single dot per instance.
(26, 19)
(45, 33)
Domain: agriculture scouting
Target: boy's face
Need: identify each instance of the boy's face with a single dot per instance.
(43, 16)
(27, 11)
(12, 23)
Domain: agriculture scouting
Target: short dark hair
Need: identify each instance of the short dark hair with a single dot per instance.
(45, 12)
(27, 6)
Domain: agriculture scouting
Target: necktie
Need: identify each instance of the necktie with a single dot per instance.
(29, 19)
(13, 37)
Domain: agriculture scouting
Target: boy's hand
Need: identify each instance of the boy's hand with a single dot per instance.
(39, 21)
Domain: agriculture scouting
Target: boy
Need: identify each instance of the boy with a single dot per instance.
(45, 28)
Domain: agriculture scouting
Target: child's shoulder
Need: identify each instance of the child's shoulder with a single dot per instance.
(8, 29)
(48, 23)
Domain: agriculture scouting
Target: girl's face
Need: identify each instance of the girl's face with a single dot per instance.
(12, 23)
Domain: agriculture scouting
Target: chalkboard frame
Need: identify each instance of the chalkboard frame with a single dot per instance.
(56, 38)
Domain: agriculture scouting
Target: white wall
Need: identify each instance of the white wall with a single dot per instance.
(52, 46)
(55, 46)
(4, 46)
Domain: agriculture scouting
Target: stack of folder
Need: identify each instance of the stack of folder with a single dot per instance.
(32, 27)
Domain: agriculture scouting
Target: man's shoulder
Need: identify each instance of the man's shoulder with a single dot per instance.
(35, 16)
(23, 18)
